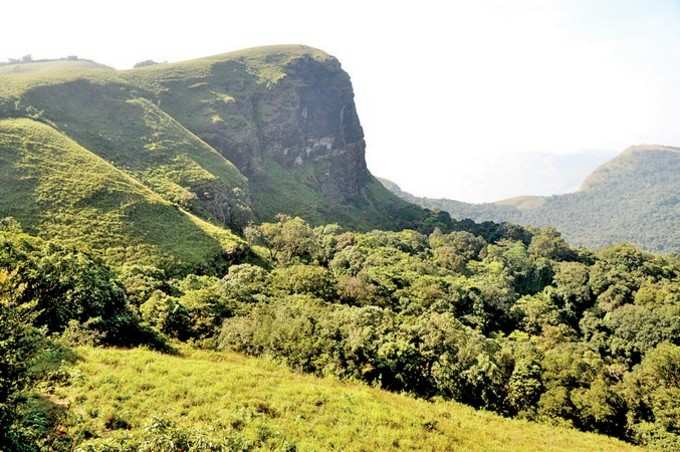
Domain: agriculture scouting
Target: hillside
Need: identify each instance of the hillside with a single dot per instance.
(117, 393)
(634, 197)
(35, 66)
(98, 206)
(232, 138)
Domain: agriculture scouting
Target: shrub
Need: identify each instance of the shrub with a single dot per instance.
(167, 314)
(20, 344)
(304, 279)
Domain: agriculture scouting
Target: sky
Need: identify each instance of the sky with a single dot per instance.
(444, 90)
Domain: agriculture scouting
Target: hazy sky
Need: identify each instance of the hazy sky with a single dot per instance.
(442, 88)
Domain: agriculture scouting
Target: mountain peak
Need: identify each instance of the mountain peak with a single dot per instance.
(639, 164)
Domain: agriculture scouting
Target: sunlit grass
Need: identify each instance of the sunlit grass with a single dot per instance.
(62, 191)
(225, 393)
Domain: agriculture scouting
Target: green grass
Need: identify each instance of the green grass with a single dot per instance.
(16, 80)
(49, 65)
(295, 191)
(60, 190)
(266, 62)
(133, 134)
(225, 393)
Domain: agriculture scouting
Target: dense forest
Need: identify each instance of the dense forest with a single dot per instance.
(514, 321)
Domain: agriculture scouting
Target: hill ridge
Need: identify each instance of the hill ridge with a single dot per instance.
(634, 197)
(101, 207)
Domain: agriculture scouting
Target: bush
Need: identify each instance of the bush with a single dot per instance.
(20, 344)
(429, 355)
(652, 392)
(246, 283)
(69, 285)
(304, 279)
(167, 314)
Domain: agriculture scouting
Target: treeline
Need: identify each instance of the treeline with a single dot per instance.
(513, 320)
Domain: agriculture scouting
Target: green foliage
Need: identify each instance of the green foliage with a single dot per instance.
(166, 314)
(246, 283)
(20, 343)
(287, 240)
(430, 315)
(300, 279)
(66, 285)
(164, 436)
(653, 395)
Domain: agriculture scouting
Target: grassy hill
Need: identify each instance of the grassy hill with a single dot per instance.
(60, 190)
(231, 138)
(116, 394)
(632, 198)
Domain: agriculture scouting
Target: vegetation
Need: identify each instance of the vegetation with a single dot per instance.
(99, 206)
(141, 400)
(132, 250)
(223, 137)
(633, 198)
(529, 328)
(524, 326)
(20, 343)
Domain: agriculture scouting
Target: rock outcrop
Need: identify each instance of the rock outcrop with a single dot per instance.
(233, 138)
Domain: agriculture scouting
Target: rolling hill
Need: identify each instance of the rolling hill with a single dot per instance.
(230, 139)
(634, 197)
(60, 190)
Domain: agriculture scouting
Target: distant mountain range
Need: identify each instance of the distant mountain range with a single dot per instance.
(634, 197)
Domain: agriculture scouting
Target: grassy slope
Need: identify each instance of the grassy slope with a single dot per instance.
(293, 191)
(96, 205)
(113, 121)
(213, 97)
(39, 66)
(222, 391)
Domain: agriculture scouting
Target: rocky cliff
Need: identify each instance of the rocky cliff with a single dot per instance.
(233, 138)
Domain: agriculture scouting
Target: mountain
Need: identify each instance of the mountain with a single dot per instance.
(634, 197)
(230, 139)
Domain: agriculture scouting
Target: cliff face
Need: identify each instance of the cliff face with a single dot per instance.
(313, 119)
(285, 116)
(302, 117)
(233, 138)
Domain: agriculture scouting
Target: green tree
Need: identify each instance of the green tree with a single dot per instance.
(652, 392)
(289, 239)
(20, 344)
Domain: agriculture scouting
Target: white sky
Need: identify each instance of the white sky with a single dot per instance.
(441, 87)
